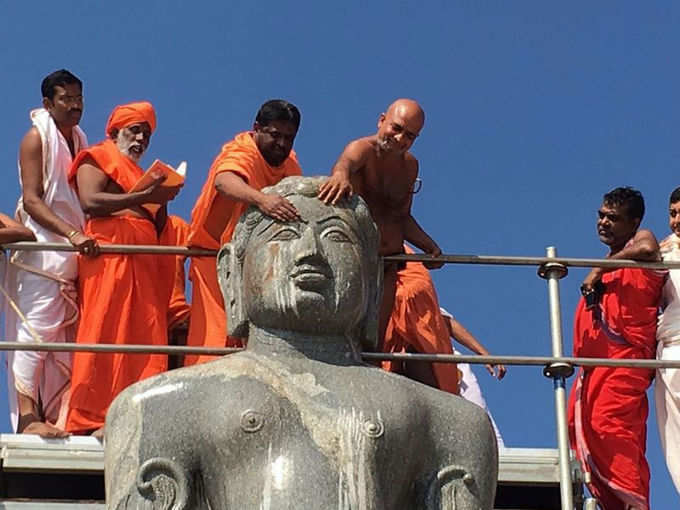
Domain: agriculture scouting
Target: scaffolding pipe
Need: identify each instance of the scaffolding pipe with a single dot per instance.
(559, 372)
(543, 361)
(126, 249)
(448, 259)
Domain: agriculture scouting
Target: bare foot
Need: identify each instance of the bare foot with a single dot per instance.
(44, 430)
(99, 434)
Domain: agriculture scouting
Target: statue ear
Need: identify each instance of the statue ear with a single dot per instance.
(229, 275)
(369, 329)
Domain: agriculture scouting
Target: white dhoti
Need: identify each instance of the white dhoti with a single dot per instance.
(667, 382)
(667, 399)
(470, 391)
(42, 376)
(42, 305)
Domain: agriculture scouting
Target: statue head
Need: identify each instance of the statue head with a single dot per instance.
(318, 275)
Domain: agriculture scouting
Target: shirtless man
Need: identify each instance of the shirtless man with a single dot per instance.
(382, 171)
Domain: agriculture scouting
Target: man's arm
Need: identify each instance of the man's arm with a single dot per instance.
(352, 159)
(30, 159)
(414, 234)
(95, 201)
(234, 187)
(463, 336)
(12, 231)
(643, 247)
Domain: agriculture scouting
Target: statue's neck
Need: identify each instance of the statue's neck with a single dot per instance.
(329, 348)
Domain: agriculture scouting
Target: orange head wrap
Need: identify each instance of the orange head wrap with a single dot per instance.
(131, 113)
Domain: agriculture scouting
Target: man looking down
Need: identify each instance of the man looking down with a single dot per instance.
(122, 301)
(383, 172)
(251, 161)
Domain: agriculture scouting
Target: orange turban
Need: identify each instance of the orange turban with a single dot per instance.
(131, 113)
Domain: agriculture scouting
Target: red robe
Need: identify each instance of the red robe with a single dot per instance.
(121, 302)
(608, 406)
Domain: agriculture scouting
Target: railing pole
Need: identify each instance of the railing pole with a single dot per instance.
(559, 372)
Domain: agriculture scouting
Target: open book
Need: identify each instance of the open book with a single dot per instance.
(173, 177)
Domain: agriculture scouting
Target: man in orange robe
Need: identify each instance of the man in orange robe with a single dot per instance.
(251, 161)
(121, 300)
(383, 172)
(414, 326)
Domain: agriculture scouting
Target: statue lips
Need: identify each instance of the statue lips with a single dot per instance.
(311, 277)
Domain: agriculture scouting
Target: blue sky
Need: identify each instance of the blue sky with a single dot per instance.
(534, 110)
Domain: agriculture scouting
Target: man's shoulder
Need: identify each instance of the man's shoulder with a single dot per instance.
(31, 140)
(363, 144)
(411, 162)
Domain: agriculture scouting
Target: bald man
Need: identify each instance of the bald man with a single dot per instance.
(383, 172)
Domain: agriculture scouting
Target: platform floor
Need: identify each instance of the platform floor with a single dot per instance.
(55, 474)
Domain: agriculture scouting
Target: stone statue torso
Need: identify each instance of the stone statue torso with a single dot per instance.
(287, 440)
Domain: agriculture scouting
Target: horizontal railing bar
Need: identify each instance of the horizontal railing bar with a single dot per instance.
(115, 248)
(374, 356)
(419, 257)
(531, 261)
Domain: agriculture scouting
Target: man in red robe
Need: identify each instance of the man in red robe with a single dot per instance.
(122, 298)
(616, 318)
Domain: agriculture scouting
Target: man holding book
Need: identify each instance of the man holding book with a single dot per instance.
(251, 161)
(122, 296)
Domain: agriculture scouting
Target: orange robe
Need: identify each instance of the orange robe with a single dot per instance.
(416, 324)
(121, 302)
(175, 233)
(208, 327)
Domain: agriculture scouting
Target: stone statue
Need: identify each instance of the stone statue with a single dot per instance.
(297, 421)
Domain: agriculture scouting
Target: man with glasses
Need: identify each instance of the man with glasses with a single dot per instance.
(384, 173)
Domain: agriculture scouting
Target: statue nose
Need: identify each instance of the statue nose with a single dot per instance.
(308, 244)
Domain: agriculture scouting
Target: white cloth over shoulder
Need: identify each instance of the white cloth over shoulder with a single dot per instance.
(42, 284)
(470, 390)
(667, 383)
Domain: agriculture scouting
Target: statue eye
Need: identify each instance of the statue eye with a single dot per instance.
(285, 234)
(337, 236)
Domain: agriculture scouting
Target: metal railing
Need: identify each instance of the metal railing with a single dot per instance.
(557, 367)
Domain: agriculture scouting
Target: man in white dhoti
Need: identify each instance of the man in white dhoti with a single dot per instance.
(667, 385)
(42, 301)
(468, 384)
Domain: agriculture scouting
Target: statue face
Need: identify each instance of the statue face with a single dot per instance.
(306, 275)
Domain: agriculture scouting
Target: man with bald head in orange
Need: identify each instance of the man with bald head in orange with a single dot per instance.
(122, 296)
(383, 172)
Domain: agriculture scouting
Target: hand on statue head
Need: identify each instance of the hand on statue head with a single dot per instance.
(334, 189)
(85, 244)
(277, 207)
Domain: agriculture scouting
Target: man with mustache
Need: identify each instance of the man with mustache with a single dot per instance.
(616, 318)
(124, 299)
(251, 161)
(383, 172)
(42, 284)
